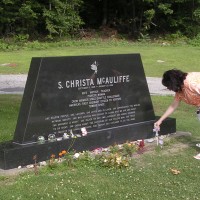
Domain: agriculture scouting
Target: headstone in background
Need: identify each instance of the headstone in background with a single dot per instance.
(105, 95)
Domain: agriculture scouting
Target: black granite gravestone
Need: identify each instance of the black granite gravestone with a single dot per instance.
(107, 95)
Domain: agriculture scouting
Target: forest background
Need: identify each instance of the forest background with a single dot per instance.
(28, 20)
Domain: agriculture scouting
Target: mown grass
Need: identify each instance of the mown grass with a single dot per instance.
(9, 109)
(181, 56)
(148, 177)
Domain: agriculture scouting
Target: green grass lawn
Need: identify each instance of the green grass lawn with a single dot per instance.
(148, 177)
(182, 57)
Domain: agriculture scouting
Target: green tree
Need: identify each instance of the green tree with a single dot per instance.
(133, 17)
(53, 17)
(8, 10)
(136, 17)
(27, 18)
(62, 17)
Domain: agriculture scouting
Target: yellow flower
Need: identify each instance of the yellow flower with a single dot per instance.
(64, 152)
(118, 160)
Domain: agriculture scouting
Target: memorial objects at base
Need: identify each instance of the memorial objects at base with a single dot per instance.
(88, 101)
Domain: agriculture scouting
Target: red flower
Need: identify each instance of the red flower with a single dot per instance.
(141, 144)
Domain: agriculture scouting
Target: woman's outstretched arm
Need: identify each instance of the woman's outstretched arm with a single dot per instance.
(167, 113)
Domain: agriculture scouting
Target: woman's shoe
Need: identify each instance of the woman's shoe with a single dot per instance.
(197, 156)
(198, 145)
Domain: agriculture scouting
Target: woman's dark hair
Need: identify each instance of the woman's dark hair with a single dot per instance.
(173, 79)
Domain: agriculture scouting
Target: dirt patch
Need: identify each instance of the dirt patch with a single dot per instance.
(175, 149)
(12, 172)
(8, 65)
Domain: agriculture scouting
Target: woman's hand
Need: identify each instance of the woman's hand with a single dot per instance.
(168, 112)
(157, 124)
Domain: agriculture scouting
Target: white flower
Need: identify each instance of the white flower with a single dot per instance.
(30, 166)
(84, 131)
(76, 155)
(43, 163)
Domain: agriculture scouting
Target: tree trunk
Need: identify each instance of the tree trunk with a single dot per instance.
(134, 26)
(105, 12)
